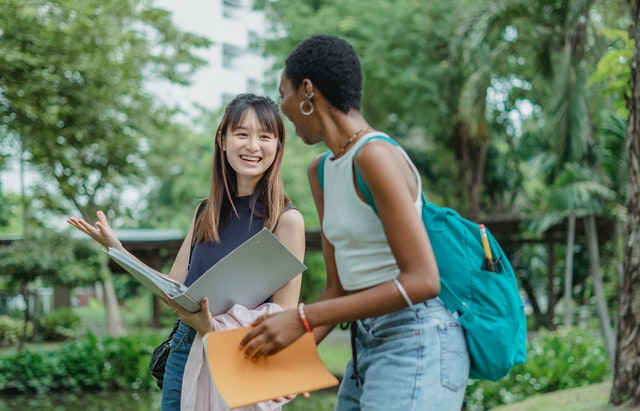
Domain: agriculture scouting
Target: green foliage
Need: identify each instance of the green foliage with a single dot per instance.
(9, 218)
(54, 259)
(319, 401)
(314, 278)
(295, 162)
(22, 262)
(11, 329)
(179, 187)
(577, 190)
(412, 79)
(614, 68)
(88, 364)
(558, 360)
(59, 325)
(73, 76)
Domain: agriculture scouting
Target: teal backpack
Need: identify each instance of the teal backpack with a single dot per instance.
(487, 301)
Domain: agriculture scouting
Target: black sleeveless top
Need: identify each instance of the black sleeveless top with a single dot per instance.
(234, 231)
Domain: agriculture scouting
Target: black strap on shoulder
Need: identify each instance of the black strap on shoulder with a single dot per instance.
(198, 212)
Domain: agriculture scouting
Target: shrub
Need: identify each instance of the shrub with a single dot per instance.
(91, 363)
(557, 360)
(59, 325)
(11, 329)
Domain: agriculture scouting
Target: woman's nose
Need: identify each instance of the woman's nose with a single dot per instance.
(253, 143)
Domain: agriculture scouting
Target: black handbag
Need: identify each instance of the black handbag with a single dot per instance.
(159, 357)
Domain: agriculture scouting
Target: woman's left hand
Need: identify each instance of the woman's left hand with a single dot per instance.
(272, 334)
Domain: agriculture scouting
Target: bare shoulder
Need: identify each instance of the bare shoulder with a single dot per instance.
(291, 219)
(378, 155)
(290, 230)
(312, 170)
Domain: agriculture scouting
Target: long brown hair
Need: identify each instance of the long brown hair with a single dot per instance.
(269, 191)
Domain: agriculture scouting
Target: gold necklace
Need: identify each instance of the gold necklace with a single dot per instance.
(353, 137)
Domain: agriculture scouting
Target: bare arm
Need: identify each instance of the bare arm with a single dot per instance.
(333, 287)
(103, 234)
(290, 230)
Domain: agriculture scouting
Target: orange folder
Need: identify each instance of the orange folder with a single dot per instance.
(241, 382)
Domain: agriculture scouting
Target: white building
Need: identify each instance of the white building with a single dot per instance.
(236, 65)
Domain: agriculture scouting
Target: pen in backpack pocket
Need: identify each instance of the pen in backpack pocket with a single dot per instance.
(487, 248)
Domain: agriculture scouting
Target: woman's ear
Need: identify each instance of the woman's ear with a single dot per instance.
(307, 86)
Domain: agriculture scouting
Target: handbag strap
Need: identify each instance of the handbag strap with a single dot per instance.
(198, 212)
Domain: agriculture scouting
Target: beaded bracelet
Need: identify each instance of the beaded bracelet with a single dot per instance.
(303, 317)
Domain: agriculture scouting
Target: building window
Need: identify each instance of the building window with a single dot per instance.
(231, 56)
(254, 41)
(230, 8)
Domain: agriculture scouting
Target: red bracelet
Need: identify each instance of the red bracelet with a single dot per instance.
(303, 317)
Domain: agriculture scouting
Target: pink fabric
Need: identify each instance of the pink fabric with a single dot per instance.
(198, 391)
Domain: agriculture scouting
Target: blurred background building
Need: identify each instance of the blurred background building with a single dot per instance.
(236, 62)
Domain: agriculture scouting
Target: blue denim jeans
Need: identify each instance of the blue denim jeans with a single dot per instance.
(415, 359)
(174, 369)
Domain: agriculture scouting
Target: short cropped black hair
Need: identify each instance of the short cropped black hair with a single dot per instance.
(332, 65)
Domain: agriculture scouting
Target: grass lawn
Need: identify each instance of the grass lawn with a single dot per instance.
(593, 397)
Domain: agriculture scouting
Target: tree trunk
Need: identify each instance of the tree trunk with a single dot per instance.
(626, 384)
(61, 296)
(551, 280)
(114, 322)
(598, 287)
(27, 317)
(568, 274)
(477, 182)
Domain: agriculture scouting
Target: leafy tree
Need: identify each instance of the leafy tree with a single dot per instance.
(549, 48)
(72, 91)
(45, 261)
(411, 77)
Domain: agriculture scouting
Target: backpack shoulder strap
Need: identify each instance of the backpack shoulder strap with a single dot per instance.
(366, 193)
(321, 169)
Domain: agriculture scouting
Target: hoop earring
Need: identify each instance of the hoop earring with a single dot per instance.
(307, 99)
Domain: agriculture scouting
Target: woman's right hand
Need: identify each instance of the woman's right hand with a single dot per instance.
(201, 321)
(101, 232)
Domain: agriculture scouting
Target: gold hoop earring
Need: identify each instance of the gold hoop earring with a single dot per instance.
(307, 99)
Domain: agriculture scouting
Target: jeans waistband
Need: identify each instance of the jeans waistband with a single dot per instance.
(186, 329)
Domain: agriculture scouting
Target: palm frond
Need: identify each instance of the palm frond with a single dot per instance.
(614, 152)
(570, 116)
(578, 191)
(473, 104)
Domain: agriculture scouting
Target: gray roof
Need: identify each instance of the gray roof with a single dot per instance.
(130, 235)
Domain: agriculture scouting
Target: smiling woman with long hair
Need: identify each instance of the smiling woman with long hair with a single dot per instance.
(246, 195)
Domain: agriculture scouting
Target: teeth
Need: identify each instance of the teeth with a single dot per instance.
(250, 158)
